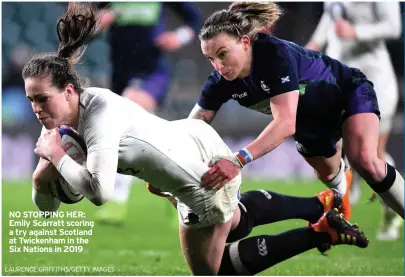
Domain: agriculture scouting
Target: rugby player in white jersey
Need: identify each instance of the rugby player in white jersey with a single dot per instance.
(173, 156)
(355, 34)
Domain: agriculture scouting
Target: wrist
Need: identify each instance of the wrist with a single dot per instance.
(57, 156)
(244, 157)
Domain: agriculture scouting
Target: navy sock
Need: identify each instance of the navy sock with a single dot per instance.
(253, 255)
(259, 207)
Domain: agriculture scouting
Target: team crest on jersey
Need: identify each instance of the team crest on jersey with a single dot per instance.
(264, 86)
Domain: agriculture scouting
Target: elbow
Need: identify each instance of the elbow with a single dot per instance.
(101, 197)
(290, 131)
(289, 128)
(100, 200)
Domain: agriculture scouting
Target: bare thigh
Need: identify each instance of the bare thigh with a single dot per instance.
(203, 248)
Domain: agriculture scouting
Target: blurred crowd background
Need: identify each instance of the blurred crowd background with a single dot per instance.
(30, 27)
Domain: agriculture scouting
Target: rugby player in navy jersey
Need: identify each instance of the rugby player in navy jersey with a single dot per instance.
(312, 97)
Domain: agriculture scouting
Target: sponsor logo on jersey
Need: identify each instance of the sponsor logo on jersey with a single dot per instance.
(239, 96)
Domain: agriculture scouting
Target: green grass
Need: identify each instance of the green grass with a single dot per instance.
(148, 243)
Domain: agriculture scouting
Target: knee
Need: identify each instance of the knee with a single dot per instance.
(328, 171)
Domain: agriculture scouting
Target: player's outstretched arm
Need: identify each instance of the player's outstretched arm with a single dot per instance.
(284, 109)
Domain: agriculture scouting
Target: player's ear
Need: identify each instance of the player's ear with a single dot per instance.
(69, 91)
(246, 42)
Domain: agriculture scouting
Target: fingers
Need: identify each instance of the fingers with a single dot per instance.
(221, 184)
(209, 176)
(219, 174)
(213, 180)
(217, 182)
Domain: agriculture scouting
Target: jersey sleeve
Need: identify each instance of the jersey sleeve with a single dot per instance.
(283, 70)
(189, 12)
(387, 26)
(212, 95)
(102, 136)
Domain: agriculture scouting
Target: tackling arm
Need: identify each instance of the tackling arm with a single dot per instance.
(199, 113)
(284, 109)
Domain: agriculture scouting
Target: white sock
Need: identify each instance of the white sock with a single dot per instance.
(122, 187)
(394, 197)
(387, 210)
(339, 181)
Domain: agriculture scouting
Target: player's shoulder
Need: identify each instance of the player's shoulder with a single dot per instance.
(267, 42)
(95, 98)
(102, 94)
(267, 46)
(272, 51)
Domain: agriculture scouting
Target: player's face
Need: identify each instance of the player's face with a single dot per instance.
(49, 104)
(228, 55)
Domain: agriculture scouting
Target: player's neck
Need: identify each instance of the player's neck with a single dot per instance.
(248, 65)
(73, 118)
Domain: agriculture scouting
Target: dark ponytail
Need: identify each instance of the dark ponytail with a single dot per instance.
(74, 29)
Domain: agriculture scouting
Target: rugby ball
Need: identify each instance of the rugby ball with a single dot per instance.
(74, 146)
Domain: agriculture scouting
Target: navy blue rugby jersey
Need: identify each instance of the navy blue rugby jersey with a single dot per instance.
(280, 66)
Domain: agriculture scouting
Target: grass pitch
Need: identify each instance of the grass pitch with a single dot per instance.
(147, 244)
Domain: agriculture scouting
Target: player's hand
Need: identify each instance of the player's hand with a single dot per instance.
(345, 30)
(221, 171)
(168, 41)
(48, 144)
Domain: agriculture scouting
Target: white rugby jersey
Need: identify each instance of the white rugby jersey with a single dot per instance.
(120, 134)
